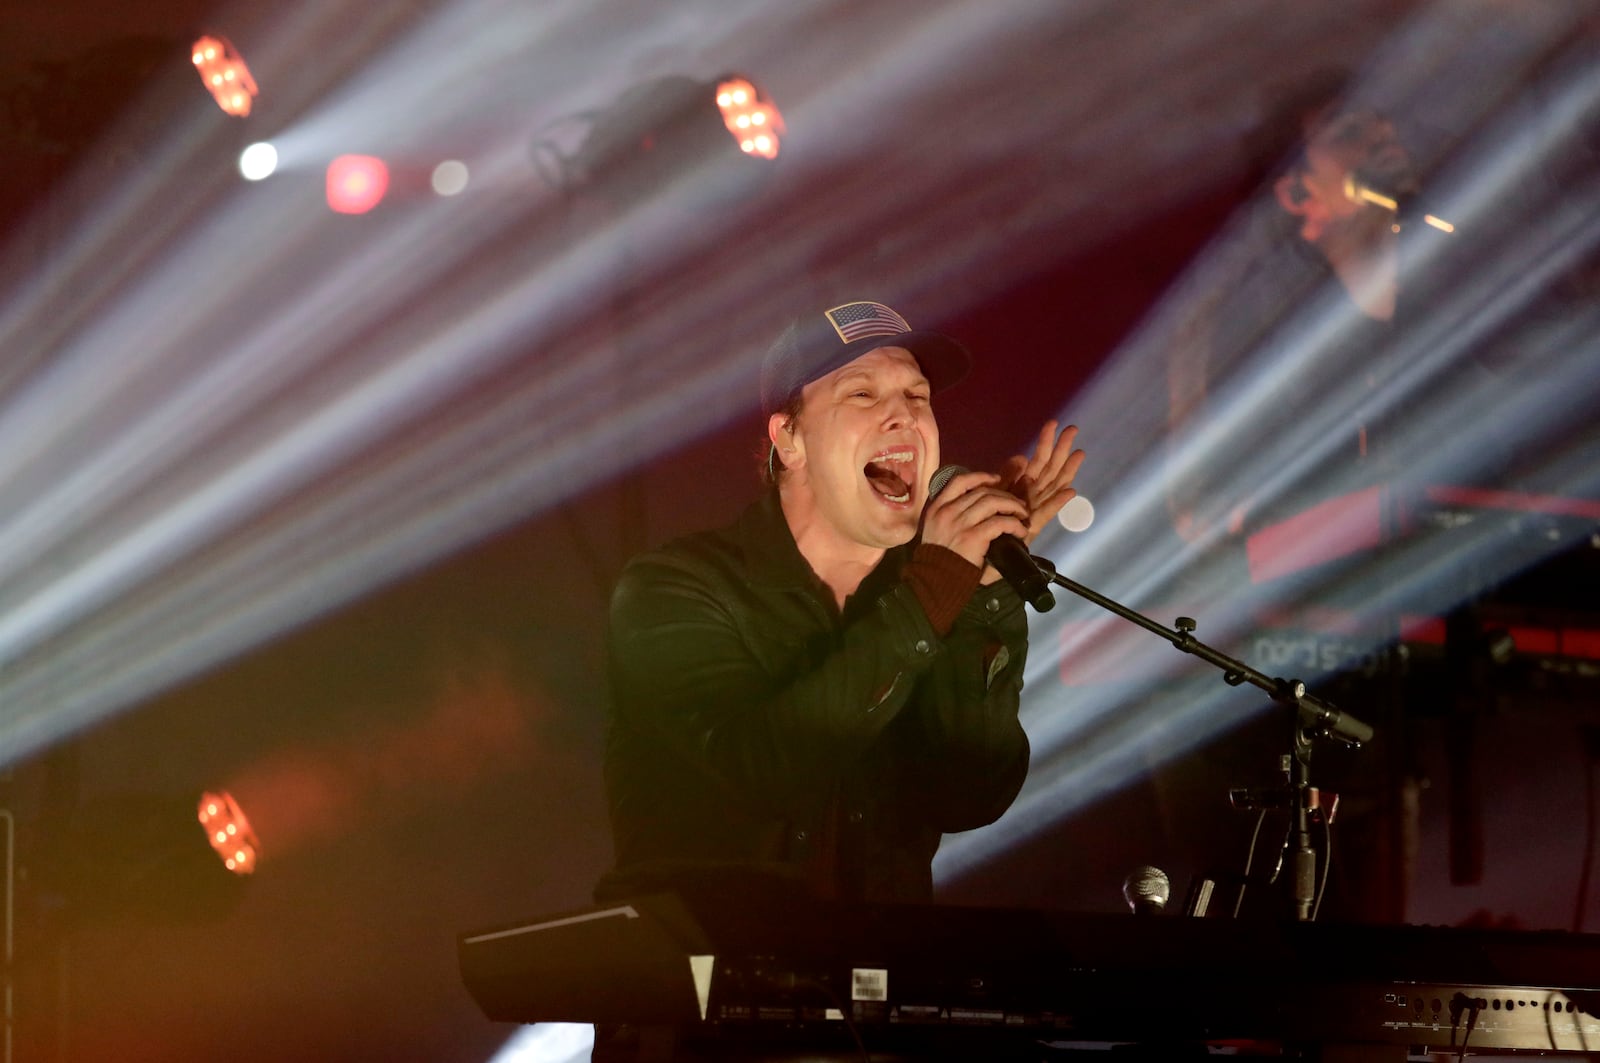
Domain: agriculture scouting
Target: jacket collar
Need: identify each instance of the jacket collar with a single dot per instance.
(770, 552)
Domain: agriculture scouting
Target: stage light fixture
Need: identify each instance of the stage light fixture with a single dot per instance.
(259, 161)
(676, 128)
(548, 1042)
(223, 71)
(229, 832)
(450, 177)
(755, 123)
(141, 855)
(356, 183)
(1077, 515)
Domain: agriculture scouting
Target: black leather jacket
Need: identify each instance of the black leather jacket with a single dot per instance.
(754, 728)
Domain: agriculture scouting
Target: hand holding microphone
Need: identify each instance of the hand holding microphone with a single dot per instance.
(998, 516)
(967, 510)
(969, 513)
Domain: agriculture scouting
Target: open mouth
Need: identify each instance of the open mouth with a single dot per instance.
(890, 475)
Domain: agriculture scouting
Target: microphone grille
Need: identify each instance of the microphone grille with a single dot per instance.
(942, 476)
(1146, 888)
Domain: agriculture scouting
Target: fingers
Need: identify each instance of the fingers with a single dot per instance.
(1044, 480)
(973, 497)
(1063, 471)
(1046, 446)
(1046, 511)
(1050, 452)
(970, 512)
(1013, 472)
(1055, 451)
(990, 514)
(1043, 448)
(1022, 499)
(963, 482)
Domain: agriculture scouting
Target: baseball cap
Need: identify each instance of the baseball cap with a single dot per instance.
(816, 344)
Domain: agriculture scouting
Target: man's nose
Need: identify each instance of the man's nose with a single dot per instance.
(899, 411)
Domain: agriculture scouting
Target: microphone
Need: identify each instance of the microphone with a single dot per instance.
(1146, 890)
(1007, 554)
(1357, 191)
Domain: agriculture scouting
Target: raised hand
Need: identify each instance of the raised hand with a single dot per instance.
(1044, 481)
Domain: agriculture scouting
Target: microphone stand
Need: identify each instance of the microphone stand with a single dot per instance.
(1313, 718)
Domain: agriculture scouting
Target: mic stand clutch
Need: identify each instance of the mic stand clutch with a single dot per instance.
(1314, 718)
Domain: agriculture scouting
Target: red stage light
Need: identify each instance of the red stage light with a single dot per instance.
(229, 832)
(356, 183)
(223, 71)
(753, 120)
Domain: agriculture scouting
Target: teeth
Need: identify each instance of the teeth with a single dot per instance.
(893, 464)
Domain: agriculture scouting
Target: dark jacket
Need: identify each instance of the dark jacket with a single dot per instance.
(754, 728)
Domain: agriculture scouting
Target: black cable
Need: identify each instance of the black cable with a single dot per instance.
(1283, 850)
(1249, 859)
(1327, 862)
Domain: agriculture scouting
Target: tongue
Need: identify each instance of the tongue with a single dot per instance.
(885, 481)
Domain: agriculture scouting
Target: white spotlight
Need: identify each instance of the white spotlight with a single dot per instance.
(1077, 514)
(258, 161)
(450, 177)
(548, 1042)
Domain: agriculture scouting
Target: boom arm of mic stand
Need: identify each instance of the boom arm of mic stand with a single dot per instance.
(1316, 715)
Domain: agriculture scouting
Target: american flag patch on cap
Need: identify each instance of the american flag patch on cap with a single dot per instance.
(856, 321)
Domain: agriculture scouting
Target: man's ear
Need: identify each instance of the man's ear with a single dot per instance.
(1291, 193)
(780, 430)
(1294, 197)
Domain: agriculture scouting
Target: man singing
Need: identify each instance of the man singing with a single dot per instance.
(816, 693)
